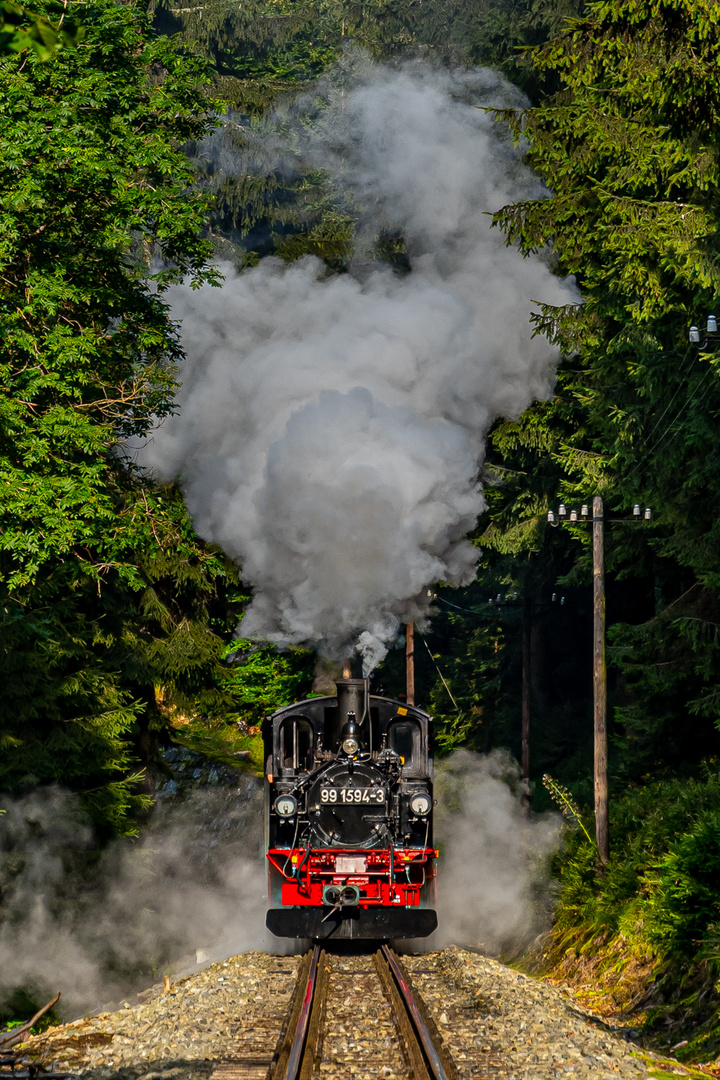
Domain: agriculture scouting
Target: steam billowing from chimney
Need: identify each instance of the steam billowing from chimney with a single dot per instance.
(331, 428)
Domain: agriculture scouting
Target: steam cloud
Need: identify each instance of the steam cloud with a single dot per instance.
(331, 428)
(195, 880)
(492, 884)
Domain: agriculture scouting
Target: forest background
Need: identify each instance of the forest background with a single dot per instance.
(118, 625)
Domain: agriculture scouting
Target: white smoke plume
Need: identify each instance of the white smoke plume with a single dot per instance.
(492, 877)
(331, 427)
(194, 881)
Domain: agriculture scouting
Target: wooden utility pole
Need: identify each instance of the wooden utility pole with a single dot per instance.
(600, 685)
(525, 707)
(410, 662)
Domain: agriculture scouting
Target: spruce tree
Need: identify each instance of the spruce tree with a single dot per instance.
(628, 148)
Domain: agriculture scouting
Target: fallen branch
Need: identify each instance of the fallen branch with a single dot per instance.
(12, 1038)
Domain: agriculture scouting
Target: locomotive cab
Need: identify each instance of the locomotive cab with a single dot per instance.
(348, 822)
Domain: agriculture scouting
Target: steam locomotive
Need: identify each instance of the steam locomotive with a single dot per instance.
(348, 817)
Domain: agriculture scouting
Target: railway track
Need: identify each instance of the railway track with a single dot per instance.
(306, 1042)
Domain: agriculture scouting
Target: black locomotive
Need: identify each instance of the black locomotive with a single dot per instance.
(349, 807)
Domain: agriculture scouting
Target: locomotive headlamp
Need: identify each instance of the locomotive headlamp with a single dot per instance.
(350, 736)
(285, 805)
(421, 804)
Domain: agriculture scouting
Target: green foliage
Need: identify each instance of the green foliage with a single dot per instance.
(259, 679)
(684, 887)
(628, 144)
(86, 669)
(250, 682)
(21, 30)
(646, 823)
(648, 926)
(103, 587)
(93, 187)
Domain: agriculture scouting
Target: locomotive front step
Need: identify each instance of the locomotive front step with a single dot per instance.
(378, 923)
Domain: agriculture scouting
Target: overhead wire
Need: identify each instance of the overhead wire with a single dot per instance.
(469, 611)
(652, 449)
(690, 399)
(672, 399)
(482, 612)
(449, 691)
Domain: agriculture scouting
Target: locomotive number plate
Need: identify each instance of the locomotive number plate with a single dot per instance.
(372, 795)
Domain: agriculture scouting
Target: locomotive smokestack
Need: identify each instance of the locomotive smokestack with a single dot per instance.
(352, 698)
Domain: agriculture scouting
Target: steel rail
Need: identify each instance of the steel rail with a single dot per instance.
(298, 1055)
(421, 1030)
(294, 1062)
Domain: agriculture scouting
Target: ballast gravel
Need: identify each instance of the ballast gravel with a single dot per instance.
(360, 1037)
(488, 1013)
(495, 1022)
(228, 1010)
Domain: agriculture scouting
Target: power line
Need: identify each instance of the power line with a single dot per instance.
(482, 612)
(689, 401)
(440, 674)
(692, 396)
(468, 611)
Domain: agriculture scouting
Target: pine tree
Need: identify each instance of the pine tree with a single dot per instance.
(628, 148)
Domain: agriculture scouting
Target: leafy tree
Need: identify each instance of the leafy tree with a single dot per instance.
(94, 188)
(93, 676)
(260, 679)
(99, 214)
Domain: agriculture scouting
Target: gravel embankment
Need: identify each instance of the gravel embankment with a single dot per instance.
(229, 1010)
(488, 1013)
(495, 1022)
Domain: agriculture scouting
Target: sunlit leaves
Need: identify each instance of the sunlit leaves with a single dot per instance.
(22, 30)
(104, 590)
(98, 214)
